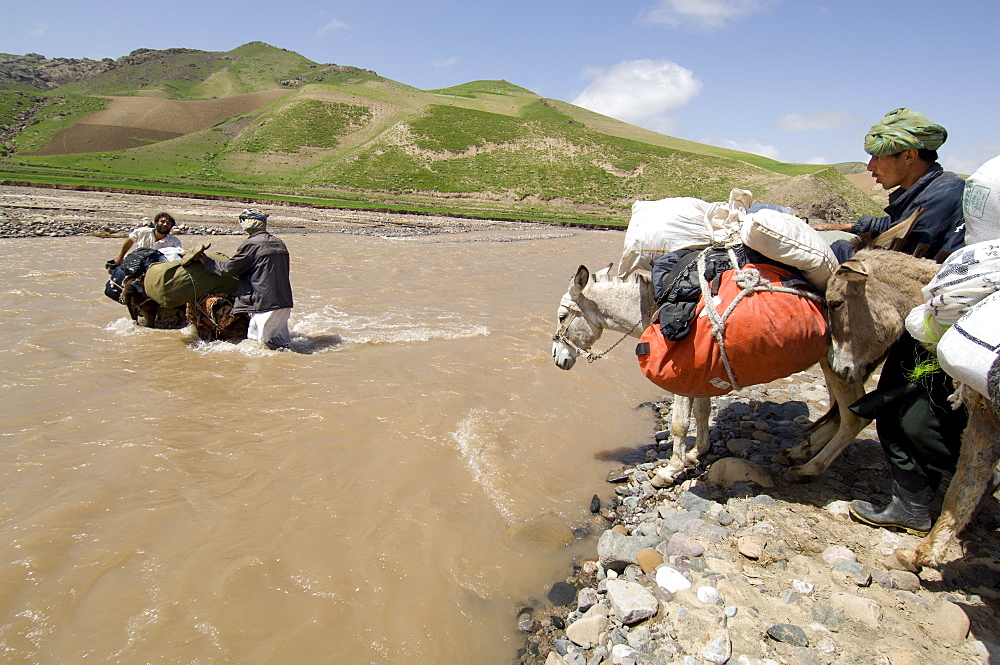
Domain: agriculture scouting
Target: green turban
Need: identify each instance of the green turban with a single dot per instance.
(901, 130)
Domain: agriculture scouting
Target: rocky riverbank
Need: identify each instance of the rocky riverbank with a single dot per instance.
(737, 565)
(27, 212)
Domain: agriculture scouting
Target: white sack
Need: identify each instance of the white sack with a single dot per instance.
(920, 323)
(968, 351)
(668, 225)
(172, 253)
(790, 240)
(981, 203)
(967, 276)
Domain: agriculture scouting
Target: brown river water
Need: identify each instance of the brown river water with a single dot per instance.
(356, 500)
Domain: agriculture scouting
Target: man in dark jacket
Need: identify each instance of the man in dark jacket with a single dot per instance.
(264, 291)
(919, 431)
(903, 148)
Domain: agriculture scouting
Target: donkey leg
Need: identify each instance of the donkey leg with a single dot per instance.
(824, 430)
(702, 409)
(147, 314)
(680, 422)
(844, 393)
(976, 462)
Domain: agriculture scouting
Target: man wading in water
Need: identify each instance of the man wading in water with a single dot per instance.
(265, 293)
(157, 237)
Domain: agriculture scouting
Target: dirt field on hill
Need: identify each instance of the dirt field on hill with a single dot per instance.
(130, 122)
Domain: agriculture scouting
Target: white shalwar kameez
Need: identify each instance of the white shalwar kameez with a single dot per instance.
(271, 328)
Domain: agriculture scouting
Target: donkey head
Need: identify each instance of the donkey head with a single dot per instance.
(867, 301)
(577, 317)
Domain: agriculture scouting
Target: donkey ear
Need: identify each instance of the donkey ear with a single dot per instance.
(852, 270)
(579, 280)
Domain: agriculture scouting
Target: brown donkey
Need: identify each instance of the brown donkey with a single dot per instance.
(867, 301)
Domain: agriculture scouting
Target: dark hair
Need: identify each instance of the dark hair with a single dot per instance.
(924, 154)
(166, 216)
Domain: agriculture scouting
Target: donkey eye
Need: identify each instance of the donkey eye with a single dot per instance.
(562, 317)
(834, 304)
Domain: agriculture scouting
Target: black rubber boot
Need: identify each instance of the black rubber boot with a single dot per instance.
(909, 510)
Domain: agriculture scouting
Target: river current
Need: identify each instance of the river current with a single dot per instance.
(383, 493)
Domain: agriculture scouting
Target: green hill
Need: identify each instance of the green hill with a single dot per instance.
(267, 122)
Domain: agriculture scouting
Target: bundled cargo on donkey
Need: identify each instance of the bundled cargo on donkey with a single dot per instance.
(730, 314)
(176, 283)
(750, 323)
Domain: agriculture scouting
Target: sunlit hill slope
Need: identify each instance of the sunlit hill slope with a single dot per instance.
(266, 120)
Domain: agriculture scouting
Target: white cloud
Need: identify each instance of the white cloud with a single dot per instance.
(447, 62)
(972, 157)
(816, 160)
(639, 91)
(818, 120)
(39, 30)
(335, 24)
(752, 146)
(702, 15)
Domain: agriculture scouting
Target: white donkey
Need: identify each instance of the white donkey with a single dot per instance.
(599, 302)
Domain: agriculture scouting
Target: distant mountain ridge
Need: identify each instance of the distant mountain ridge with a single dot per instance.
(270, 118)
(34, 72)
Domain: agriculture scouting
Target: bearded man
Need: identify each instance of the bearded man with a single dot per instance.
(157, 237)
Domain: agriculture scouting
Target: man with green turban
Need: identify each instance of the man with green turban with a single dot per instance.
(903, 148)
(901, 130)
(919, 432)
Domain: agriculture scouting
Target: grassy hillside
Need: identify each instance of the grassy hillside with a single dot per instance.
(333, 132)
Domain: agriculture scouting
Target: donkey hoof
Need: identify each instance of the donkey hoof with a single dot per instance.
(797, 474)
(664, 478)
(902, 559)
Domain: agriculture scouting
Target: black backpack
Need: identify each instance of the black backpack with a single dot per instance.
(137, 261)
(113, 289)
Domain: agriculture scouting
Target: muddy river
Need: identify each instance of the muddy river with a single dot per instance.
(383, 493)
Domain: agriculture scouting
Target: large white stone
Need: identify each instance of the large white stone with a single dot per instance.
(729, 470)
(671, 580)
(949, 623)
(631, 601)
(719, 650)
(587, 632)
(860, 609)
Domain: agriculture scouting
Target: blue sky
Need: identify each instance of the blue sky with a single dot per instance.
(795, 80)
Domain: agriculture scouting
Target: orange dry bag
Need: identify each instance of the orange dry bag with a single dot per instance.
(768, 335)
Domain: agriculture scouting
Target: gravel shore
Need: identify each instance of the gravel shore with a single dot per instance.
(767, 572)
(27, 212)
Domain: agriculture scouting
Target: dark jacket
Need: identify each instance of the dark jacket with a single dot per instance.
(940, 225)
(262, 265)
